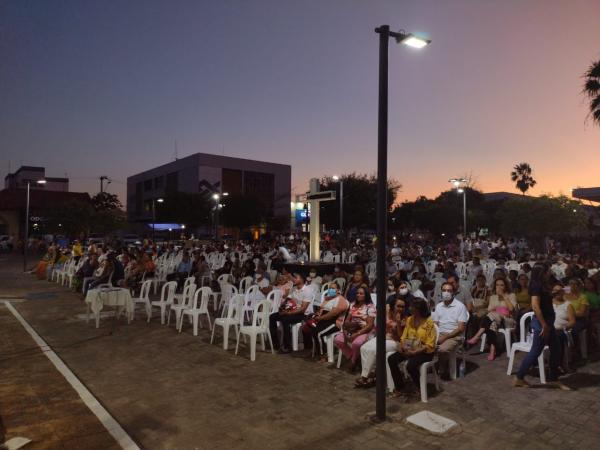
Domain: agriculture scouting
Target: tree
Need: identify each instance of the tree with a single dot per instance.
(522, 176)
(103, 201)
(71, 218)
(591, 90)
(242, 211)
(542, 216)
(360, 200)
(191, 209)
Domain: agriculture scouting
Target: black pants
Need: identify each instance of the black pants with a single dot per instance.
(412, 367)
(312, 336)
(179, 277)
(491, 335)
(286, 327)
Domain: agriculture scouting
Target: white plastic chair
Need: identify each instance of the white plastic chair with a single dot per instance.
(423, 369)
(196, 310)
(227, 292)
(524, 345)
(232, 316)
(260, 326)
(250, 295)
(144, 298)
(181, 302)
(341, 282)
(244, 284)
(166, 299)
(298, 326)
(274, 297)
(507, 332)
(189, 280)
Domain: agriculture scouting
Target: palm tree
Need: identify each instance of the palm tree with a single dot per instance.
(591, 89)
(522, 175)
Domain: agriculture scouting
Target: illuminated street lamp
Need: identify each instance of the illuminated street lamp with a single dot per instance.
(460, 186)
(41, 182)
(337, 178)
(382, 135)
(158, 200)
(218, 205)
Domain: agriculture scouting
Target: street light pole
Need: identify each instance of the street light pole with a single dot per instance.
(159, 200)
(26, 240)
(412, 41)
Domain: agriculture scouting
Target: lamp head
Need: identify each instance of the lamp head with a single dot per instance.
(41, 181)
(335, 178)
(215, 196)
(413, 41)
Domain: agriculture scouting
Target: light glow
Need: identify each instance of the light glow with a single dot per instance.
(415, 42)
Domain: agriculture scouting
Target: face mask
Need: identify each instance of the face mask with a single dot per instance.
(331, 292)
(313, 274)
(447, 295)
(390, 287)
(403, 291)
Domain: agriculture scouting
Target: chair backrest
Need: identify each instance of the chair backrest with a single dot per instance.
(251, 293)
(244, 283)
(188, 281)
(225, 278)
(341, 282)
(167, 292)
(145, 289)
(522, 325)
(415, 284)
(260, 317)
(274, 297)
(325, 286)
(188, 294)
(235, 307)
(204, 294)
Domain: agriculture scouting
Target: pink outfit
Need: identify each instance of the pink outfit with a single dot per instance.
(352, 352)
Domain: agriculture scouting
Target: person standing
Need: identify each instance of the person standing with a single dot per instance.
(542, 325)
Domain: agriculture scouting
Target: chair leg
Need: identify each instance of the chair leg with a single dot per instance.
(163, 310)
(511, 360)
(482, 346)
(212, 335)
(295, 338)
(209, 323)
(330, 350)
(452, 364)
(253, 347)
(507, 342)
(542, 368)
(225, 336)
(339, 361)
(196, 318)
(237, 344)
(270, 341)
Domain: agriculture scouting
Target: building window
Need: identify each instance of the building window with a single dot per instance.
(262, 186)
(232, 181)
(172, 182)
(139, 199)
(148, 185)
(159, 182)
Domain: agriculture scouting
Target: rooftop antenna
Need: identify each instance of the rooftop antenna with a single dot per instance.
(176, 150)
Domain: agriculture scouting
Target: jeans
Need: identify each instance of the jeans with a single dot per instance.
(537, 347)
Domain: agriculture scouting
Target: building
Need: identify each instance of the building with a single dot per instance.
(30, 174)
(210, 174)
(591, 194)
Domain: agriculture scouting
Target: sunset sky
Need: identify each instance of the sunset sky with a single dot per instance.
(107, 87)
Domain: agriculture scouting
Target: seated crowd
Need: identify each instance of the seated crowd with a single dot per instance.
(438, 298)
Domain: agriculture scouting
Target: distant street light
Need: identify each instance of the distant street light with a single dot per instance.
(158, 200)
(26, 241)
(337, 178)
(218, 205)
(460, 186)
(382, 135)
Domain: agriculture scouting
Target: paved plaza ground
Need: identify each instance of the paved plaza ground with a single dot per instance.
(176, 391)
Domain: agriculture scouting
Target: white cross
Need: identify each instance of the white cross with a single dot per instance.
(314, 198)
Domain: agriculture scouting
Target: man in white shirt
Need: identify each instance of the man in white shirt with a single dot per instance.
(451, 317)
(461, 293)
(292, 310)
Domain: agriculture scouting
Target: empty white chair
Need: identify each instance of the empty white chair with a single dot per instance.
(181, 302)
(524, 345)
(198, 308)
(144, 298)
(232, 316)
(186, 283)
(244, 284)
(259, 327)
(160, 276)
(166, 299)
(227, 292)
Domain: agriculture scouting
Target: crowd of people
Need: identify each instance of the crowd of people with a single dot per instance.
(440, 296)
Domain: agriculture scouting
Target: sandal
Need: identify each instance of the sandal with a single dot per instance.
(361, 382)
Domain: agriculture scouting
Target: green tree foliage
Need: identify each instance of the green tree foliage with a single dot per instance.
(541, 216)
(242, 211)
(521, 175)
(360, 201)
(71, 218)
(191, 209)
(104, 201)
(591, 90)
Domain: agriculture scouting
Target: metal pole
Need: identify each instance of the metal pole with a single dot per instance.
(341, 205)
(465, 213)
(217, 222)
(153, 218)
(383, 31)
(26, 240)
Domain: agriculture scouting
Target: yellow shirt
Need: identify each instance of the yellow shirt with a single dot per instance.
(424, 333)
(77, 251)
(577, 302)
(523, 299)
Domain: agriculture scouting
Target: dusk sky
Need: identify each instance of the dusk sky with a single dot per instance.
(90, 88)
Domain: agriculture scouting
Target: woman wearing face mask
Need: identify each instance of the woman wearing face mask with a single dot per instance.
(332, 309)
(501, 310)
(401, 293)
(564, 319)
